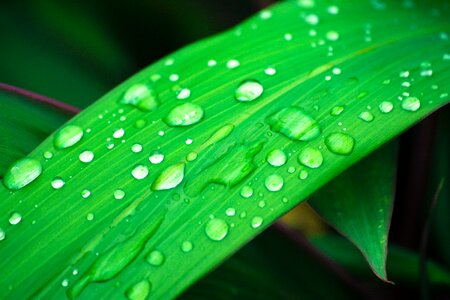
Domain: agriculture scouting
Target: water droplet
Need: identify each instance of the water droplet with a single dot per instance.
(119, 133)
(249, 90)
(246, 191)
(156, 157)
(333, 9)
(262, 204)
(86, 156)
(274, 182)
(15, 218)
(212, 63)
(295, 124)
(155, 258)
(139, 172)
(216, 229)
(257, 222)
(57, 183)
(141, 96)
(270, 71)
(288, 36)
(337, 110)
(22, 173)
(188, 141)
(312, 19)
(90, 216)
(139, 290)
(332, 35)
(140, 124)
(232, 64)
(136, 148)
(67, 136)
(336, 71)
(48, 155)
(366, 116)
(230, 212)
(276, 158)
(310, 157)
(65, 283)
(265, 14)
(169, 178)
(174, 77)
(386, 107)
(411, 104)
(303, 174)
(340, 143)
(191, 156)
(119, 194)
(2, 234)
(183, 94)
(184, 115)
(291, 170)
(186, 246)
(85, 193)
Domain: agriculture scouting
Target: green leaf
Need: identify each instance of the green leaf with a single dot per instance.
(402, 264)
(271, 266)
(76, 211)
(359, 203)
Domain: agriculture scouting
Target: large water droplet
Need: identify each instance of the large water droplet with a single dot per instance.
(139, 172)
(274, 182)
(257, 222)
(67, 136)
(86, 156)
(216, 229)
(295, 124)
(366, 116)
(139, 290)
(184, 115)
(21, 173)
(57, 183)
(141, 96)
(276, 158)
(249, 90)
(340, 143)
(411, 104)
(155, 258)
(169, 178)
(310, 157)
(386, 107)
(246, 191)
(15, 218)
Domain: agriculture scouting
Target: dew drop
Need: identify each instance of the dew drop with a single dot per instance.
(15, 218)
(139, 290)
(155, 258)
(184, 115)
(67, 136)
(183, 94)
(310, 157)
(276, 158)
(386, 107)
(274, 182)
(90, 216)
(411, 104)
(191, 156)
(136, 148)
(337, 110)
(249, 90)
(86, 156)
(216, 229)
(256, 222)
(57, 183)
(119, 133)
(2, 234)
(139, 172)
(233, 64)
(141, 96)
(332, 35)
(169, 178)
(295, 124)
(156, 157)
(270, 71)
(212, 63)
(230, 212)
(312, 19)
(340, 143)
(246, 191)
(85, 193)
(187, 246)
(174, 77)
(48, 155)
(366, 116)
(65, 283)
(119, 194)
(22, 173)
(303, 174)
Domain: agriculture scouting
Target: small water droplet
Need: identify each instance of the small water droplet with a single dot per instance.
(246, 191)
(2, 234)
(187, 246)
(57, 183)
(15, 218)
(291, 170)
(312, 19)
(303, 174)
(262, 204)
(274, 182)
(141, 96)
(333, 9)
(119, 194)
(257, 222)
(191, 156)
(184, 115)
(386, 107)
(366, 116)
(156, 157)
(276, 158)
(136, 148)
(139, 172)
(67, 136)
(232, 64)
(310, 157)
(139, 290)
(340, 143)
(288, 36)
(212, 63)
(169, 178)
(86, 156)
(216, 229)
(265, 14)
(174, 77)
(295, 124)
(332, 35)
(65, 283)
(22, 173)
(270, 71)
(189, 141)
(119, 133)
(90, 216)
(337, 110)
(183, 94)
(411, 104)
(249, 90)
(48, 155)
(230, 212)
(155, 258)
(85, 193)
